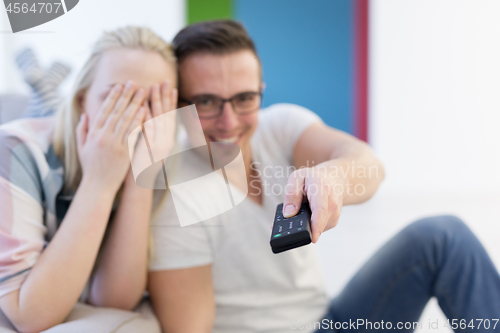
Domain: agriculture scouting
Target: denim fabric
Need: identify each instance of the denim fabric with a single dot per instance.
(436, 256)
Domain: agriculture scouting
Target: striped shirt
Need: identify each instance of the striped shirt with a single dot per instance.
(32, 204)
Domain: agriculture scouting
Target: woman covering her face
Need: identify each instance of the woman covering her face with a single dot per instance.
(73, 223)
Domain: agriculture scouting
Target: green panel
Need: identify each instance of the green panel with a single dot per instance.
(203, 10)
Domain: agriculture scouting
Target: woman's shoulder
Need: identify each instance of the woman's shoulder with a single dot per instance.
(26, 151)
(35, 132)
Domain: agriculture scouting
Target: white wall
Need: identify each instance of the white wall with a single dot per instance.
(434, 122)
(435, 93)
(70, 36)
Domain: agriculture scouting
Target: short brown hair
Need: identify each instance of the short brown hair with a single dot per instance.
(216, 37)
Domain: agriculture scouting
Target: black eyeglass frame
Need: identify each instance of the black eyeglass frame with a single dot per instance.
(224, 100)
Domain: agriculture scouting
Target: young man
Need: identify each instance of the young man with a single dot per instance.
(221, 276)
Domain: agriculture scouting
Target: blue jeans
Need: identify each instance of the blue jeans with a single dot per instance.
(436, 256)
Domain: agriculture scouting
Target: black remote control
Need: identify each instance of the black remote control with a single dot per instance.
(289, 233)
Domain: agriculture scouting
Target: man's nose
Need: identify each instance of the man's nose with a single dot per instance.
(228, 118)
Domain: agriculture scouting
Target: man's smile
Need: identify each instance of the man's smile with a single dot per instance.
(227, 138)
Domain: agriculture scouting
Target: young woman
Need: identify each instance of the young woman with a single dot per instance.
(66, 182)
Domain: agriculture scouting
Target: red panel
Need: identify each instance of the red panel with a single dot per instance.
(361, 45)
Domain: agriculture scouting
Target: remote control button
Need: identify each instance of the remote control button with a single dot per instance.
(299, 229)
(280, 228)
(277, 235)
(291, 225)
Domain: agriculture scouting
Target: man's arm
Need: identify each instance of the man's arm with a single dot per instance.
(183, 299)
(337, 169)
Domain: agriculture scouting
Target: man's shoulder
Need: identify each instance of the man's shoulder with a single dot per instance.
(284, 119)
(282, 109)
(286, 113)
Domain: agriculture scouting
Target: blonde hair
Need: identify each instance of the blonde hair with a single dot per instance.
(68, 115)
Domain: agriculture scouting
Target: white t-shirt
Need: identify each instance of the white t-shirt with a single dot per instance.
(255, 289)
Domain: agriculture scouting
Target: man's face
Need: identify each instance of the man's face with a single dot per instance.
(223, 76)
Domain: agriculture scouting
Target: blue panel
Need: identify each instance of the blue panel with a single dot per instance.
(306, 51)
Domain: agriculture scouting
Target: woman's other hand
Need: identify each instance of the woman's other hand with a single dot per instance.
(103, 147)
(159, 129)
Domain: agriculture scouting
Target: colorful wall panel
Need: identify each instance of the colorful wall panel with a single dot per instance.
(314, 53)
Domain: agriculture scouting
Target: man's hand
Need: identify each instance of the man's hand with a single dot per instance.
(324, 193)
(345, 172)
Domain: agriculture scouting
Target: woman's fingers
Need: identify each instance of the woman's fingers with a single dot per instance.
(163, 98)
(129, 114)
(136, 122)
(121, 111)
(173, 99)
(148, 112)
(81, 131)
(121, 105)
(156, 100)
(108, 105)
(166, 96)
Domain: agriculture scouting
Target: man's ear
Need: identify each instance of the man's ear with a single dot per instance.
(262, 87)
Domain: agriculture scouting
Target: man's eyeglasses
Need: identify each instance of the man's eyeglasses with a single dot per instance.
(211, 106)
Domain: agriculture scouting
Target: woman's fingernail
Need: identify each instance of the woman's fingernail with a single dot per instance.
(129, 84)
(289, 210)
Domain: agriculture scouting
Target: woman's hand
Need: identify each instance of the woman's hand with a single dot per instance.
(159, 126)
(103, 148)
(161, 129)
(163, 99)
